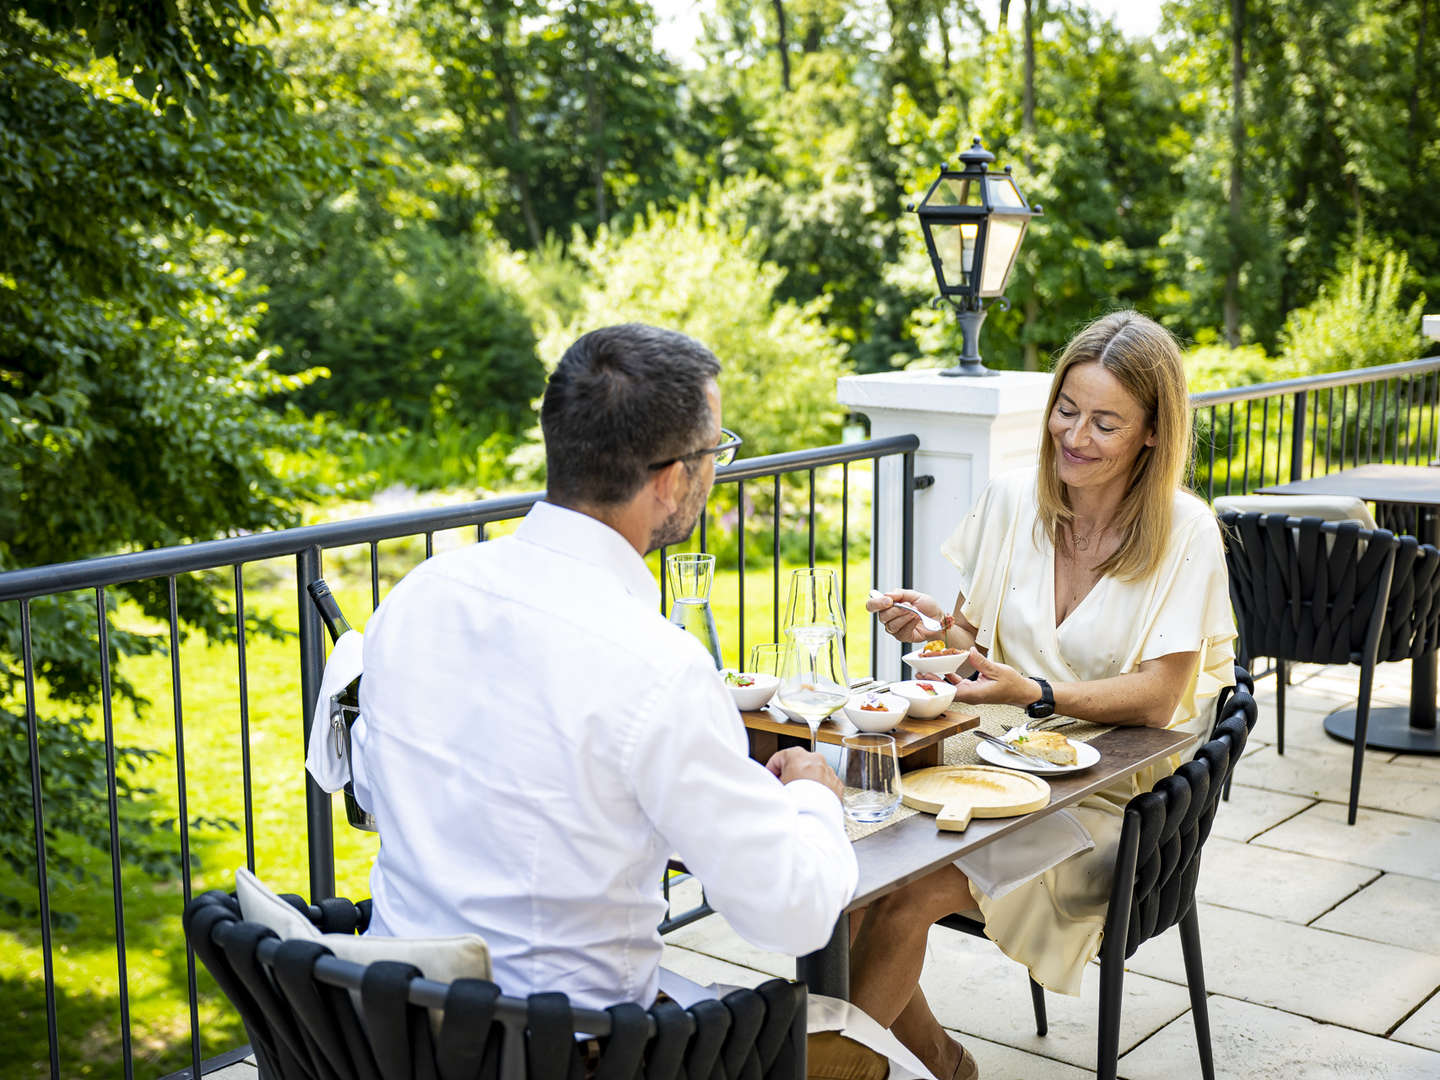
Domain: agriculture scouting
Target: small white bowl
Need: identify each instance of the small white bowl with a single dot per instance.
(756, 694)
(935, 665)
(925, 706)
(869, 720)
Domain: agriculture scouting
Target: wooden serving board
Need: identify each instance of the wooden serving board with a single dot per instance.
(917, 742)
(957, 793)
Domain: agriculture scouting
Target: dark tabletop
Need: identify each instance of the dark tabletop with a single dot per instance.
(1418, 485)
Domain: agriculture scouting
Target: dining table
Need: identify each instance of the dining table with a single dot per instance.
(907, 850)
(1400, 729)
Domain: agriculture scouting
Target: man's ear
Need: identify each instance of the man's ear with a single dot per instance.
(665, 486)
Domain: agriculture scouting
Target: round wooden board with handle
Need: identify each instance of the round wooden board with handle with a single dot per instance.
(957, 793)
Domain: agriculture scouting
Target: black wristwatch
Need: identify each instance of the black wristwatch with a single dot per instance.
(1039, 710)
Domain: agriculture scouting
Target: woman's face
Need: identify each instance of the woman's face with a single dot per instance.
(1098, 430)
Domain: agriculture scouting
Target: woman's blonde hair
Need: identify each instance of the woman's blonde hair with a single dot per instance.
(1146, 360)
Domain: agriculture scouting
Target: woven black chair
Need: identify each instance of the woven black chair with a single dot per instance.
(1157, 864)
(297, 1001)
(1330, 593)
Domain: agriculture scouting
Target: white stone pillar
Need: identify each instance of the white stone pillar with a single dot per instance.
(1430, 326)
(969, 430)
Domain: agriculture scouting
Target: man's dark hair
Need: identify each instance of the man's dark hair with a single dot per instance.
(622, 398)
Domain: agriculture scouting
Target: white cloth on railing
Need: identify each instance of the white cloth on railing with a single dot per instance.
(328, 755)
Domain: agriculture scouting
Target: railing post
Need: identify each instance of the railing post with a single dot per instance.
(1297, 437)
(907, 530)
(312, 668)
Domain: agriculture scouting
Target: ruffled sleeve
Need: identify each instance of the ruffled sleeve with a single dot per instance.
(1190, 609)
(982, 545)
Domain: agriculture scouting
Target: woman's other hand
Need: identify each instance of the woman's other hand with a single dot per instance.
(994, 684)
(900, 624)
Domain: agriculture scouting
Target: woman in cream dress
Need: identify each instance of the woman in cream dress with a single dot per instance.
(1096, 574)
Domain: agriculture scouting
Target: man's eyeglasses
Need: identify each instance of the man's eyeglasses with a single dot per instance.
(724, 451)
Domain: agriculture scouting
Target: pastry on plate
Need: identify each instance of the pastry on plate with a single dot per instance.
(1050, 745)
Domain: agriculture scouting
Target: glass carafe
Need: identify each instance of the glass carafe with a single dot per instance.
(690, 577)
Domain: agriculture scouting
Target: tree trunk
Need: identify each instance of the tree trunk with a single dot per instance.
(782, 44)
(1413, 127)
(498, 26)
(1004, 15)
(944, 30)
(1027, 129)
(595, 114)
(1237, 171)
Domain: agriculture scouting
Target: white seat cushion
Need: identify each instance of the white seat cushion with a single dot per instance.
(441, 959)
(1325, 507)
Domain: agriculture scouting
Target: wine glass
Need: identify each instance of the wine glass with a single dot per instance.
(814, 598)
(813, 683)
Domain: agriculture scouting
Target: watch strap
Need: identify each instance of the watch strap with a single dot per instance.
(1045, 706)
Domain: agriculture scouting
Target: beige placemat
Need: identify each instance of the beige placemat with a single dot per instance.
(960, 750)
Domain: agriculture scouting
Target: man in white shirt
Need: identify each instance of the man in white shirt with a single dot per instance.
(538, 738)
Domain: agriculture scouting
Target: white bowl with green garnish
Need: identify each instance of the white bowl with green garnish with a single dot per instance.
(750, 689)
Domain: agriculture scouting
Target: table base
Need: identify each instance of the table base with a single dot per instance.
(1389, 729)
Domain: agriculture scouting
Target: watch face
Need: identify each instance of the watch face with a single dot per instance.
(1039, 710)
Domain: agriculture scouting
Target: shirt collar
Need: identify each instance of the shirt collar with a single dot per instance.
(589, 540)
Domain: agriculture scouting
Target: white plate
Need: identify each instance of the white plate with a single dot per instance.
(1085, 756)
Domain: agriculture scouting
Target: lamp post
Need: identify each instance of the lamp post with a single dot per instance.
(974, 221)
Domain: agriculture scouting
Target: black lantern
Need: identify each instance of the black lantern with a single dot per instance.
(974, 220)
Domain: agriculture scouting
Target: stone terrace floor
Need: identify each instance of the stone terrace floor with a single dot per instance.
(1321, 952)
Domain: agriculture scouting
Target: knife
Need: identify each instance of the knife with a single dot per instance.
(1021, 754)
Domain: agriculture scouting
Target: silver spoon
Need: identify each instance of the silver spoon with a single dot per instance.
(931, 625)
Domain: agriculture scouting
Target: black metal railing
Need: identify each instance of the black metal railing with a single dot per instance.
(784, 495)
(1278, 432)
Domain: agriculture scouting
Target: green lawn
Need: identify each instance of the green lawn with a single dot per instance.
(87, 981)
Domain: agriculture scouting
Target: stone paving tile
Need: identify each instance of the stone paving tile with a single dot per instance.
(1317, 774)
(1395, 843)
(974, 989)
(1251, 810)
(1000, 1062)
(1267, 1044)
(1423, 1028)
(1331, 977)
(1393, 908)
(1297, 888)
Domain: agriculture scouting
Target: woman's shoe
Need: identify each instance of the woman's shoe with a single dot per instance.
(967, 1069)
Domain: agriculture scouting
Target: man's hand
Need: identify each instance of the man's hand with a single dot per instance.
(794, 763)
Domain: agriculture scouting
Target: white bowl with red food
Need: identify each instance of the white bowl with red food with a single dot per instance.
(876, 712)
(928, 698)
(750, 689)
(929, 660)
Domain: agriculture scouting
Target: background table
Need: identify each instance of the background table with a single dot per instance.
(1405, 730)
(909, 850)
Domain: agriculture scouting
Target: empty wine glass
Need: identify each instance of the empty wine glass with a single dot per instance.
(814, 598)
(813, 683)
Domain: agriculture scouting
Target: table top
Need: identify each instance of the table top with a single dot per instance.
(1418, 485)
(912, 848)
(910, 736)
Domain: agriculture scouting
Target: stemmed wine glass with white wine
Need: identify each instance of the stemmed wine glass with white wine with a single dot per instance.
(812, 674)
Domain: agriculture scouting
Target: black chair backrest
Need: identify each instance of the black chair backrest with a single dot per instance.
(1309, 590)
(295, 999)
(1158, 858)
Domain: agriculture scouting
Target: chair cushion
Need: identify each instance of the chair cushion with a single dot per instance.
(1325, 507)
(441, 959)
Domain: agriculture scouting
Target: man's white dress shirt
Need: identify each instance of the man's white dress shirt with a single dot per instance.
(537, 739)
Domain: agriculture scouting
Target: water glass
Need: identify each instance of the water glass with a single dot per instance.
(870, 773)
(765, 659)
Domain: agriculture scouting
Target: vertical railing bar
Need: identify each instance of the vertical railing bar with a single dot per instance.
(1210, 480)
(1370, 441)
(182, 813)
(1229, 447)
(775, 562)
(844, 534)
(244, 675)
(1264, 430)
(907, 527)
(112, 800)
(374, 574)
(875, 562)
(704, 528)
(1299, 425)
(812, 519)
(480, 533)
(1280, 438)
(319, 824)
(1344, 421)
(1245, 481)
(663, 576)
(740, 663)
(1329, 425)
(1434, 428)
(429, 543)
(1314, 438)
(42, 872)
(1402, 419)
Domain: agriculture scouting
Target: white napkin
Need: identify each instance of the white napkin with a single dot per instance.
(823, 1014)
(326, 757)
(999, 868)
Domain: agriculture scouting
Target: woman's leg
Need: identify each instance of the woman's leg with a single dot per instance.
(888, 954)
